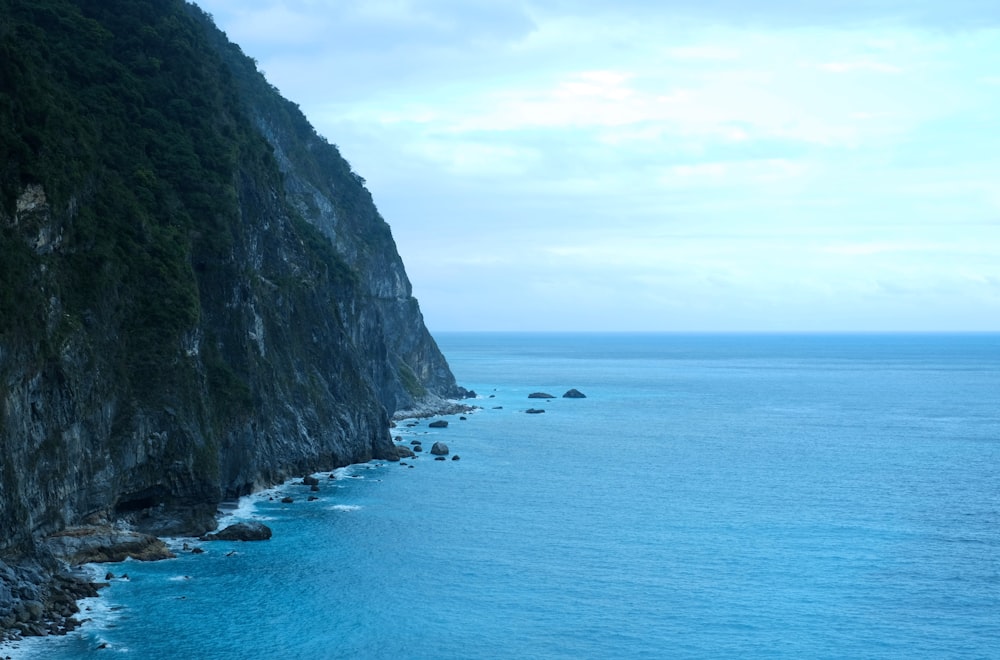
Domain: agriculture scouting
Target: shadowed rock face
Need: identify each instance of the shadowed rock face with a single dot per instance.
(198, 296)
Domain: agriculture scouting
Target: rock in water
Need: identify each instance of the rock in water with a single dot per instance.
(242, 531)
(574, 394)
(540, 395)
(439, 424)
(404, 452)
(439, 449)
(535, 411)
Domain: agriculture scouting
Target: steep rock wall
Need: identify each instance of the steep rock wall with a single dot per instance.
(189, 307)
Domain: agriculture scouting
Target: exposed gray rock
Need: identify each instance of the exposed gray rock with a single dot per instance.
(439, 449)
(574, 394)
(540, 395)
(404, 451)
(439, 424)
(84, 545)
(242, 531)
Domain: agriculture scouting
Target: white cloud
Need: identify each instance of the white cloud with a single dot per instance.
(714, 158)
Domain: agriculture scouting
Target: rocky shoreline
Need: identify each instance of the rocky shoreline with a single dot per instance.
(40, 589)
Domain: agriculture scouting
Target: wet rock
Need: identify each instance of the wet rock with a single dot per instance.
(439, 449)
(540, 395)
(314, 488)
(287, 500)
(574, 394)
(456, 457)
(440, 458)
(439, 424)
(98, 544)
(242, 531)
(418, 448)
(535, 411)
(404, 451)
(310, 481)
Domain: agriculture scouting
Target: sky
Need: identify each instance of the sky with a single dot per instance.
(684, 165)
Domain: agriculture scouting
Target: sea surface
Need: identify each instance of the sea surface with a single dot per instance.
(739, 496)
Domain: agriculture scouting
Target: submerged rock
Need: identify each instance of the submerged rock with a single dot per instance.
(242, 531)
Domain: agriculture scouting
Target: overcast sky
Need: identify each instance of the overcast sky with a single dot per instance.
(677, 165)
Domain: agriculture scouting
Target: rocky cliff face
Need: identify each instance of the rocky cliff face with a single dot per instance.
(197, 295)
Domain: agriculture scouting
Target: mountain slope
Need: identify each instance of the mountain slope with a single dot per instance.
(197, 295)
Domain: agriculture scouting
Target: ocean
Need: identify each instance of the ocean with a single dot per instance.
(750, 496)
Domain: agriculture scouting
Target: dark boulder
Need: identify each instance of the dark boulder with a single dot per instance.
(241, 531)
(440, 458)
(456, 457)
(286, 500)
(540, 395)
(403, 451)
(439, 449)
(439, 424)
(310, 481)
(534, 411)
(574, 394)
(418, 448)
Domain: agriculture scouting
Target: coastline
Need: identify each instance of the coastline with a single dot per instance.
(61, 587)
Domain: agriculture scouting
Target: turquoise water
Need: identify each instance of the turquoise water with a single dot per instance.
(714, 496)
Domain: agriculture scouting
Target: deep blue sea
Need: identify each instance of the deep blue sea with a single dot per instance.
(739, 496)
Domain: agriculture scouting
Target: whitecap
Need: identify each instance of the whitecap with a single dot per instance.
(343, 507)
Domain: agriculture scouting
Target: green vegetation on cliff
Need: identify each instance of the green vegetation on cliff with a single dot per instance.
(197, 294)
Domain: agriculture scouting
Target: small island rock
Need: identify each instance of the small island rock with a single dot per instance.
(439, 424)
(540, 395)
(535, 411)
(242, 531)
(439, 449)
(574, 394)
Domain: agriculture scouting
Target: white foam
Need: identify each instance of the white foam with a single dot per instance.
(343, 507)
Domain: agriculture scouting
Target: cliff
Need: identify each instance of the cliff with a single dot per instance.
(198, 296)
